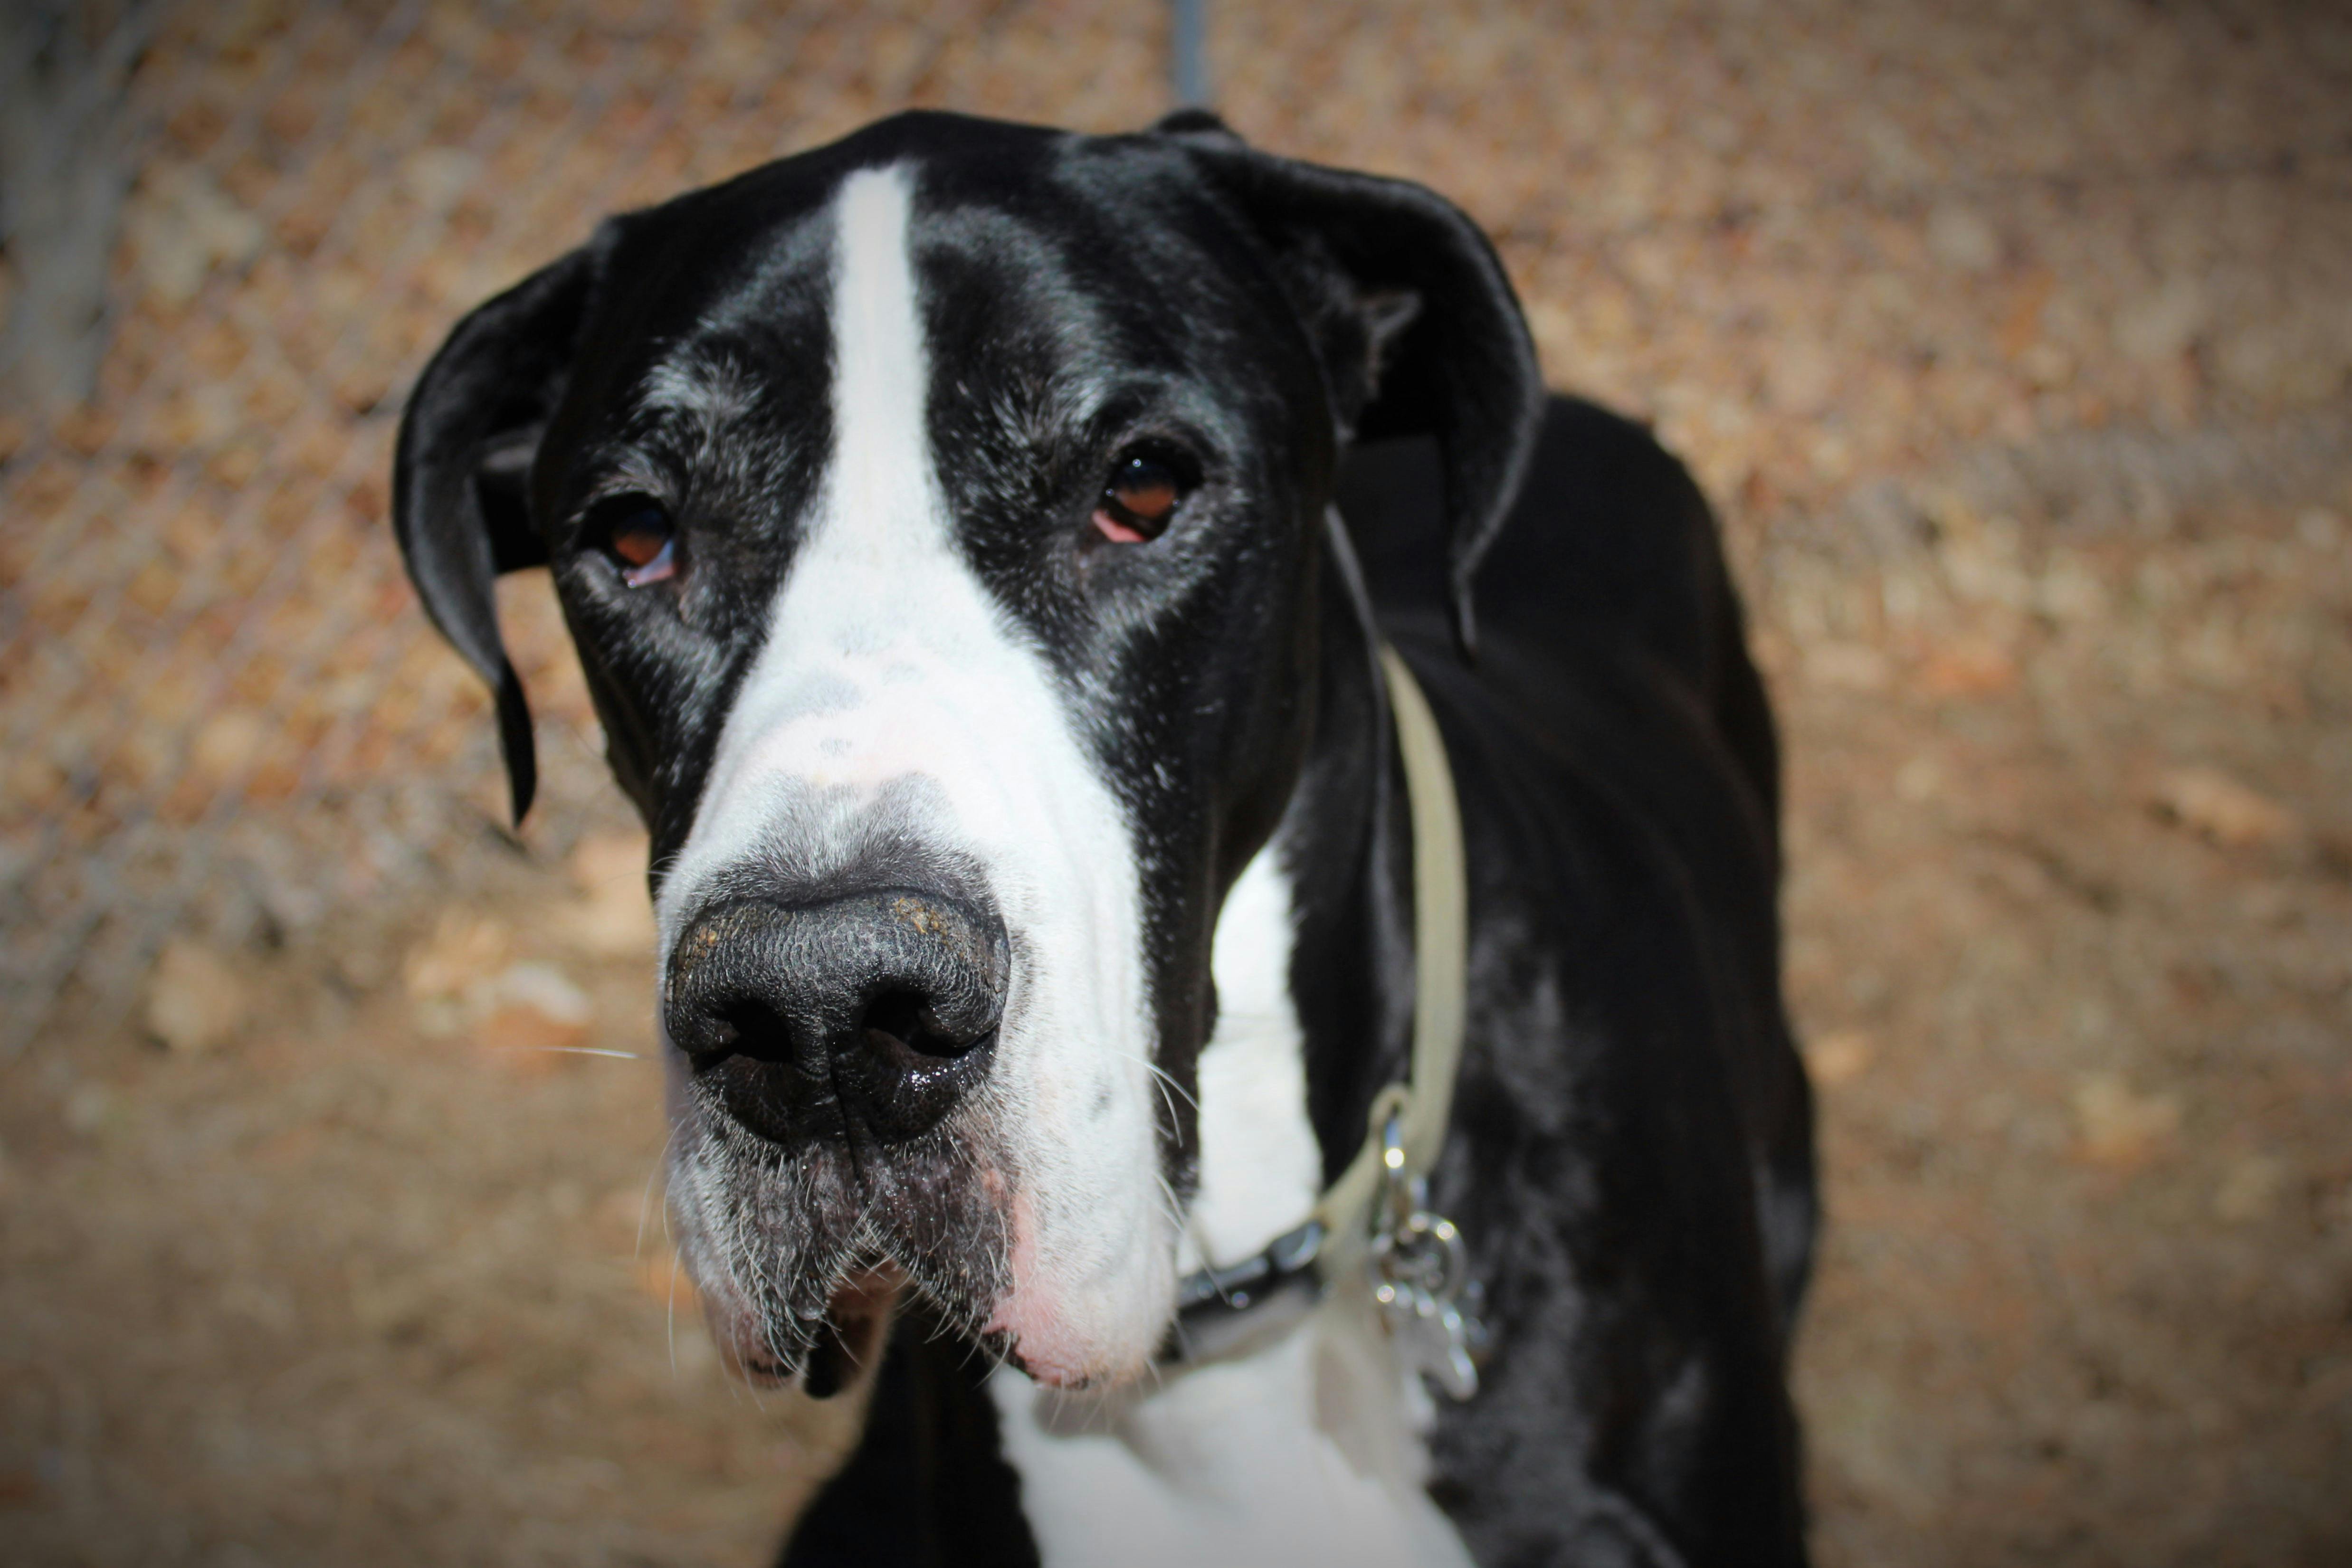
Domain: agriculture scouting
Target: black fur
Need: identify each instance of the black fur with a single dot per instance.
(926, 1487)
(1631, 1154)
(466, 440)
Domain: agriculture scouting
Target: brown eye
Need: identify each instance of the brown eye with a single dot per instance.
(1138, 501)
(1145, 488)
(639, 536)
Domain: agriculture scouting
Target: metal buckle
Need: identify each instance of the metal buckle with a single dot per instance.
(1421, 1277)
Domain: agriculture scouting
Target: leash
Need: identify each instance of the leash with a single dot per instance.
(1373, 1225)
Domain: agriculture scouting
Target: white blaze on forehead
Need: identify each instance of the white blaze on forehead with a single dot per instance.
(881, 452)
(887, 663)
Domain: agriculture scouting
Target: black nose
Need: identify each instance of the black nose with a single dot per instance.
(874, 1011)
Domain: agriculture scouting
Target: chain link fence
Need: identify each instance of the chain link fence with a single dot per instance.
(222, 709)
(219, 709)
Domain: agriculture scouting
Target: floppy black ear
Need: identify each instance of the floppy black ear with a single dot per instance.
(460, 476)
(1414, 318)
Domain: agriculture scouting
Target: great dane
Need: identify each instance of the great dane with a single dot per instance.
(979, 539)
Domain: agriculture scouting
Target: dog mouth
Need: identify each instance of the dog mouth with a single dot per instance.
(848, 1341)
(804, 1259)
(810, 1214)
(820, 1329)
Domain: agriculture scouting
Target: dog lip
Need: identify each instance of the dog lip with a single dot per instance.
(842, 1344)
(856, 1324)
(865, 1291)
(1048, 1376)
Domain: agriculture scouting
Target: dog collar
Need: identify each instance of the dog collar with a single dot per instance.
(1372, 1228)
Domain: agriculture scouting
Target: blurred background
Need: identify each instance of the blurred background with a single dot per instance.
(2014, 341)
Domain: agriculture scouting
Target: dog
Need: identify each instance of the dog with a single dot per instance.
(979, 540)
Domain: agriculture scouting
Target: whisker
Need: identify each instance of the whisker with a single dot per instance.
(1161, 1074)
(1165, 1084)
(670, 1315)
(1174, 1211)
(1165, 1099)
(646, 1196)
(576, 1050)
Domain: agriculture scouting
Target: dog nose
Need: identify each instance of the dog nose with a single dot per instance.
(876, 1011)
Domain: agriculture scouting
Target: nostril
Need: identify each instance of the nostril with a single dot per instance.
(902, 1020)
(875, 1010)
(749, 1027)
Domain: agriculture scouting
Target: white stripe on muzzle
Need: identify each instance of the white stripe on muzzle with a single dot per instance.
(887, 665)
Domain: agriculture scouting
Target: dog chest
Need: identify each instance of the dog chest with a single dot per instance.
(1312, 1448)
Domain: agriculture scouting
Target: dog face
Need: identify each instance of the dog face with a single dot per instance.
(938, 517)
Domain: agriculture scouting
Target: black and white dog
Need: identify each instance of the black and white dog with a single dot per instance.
(951, 523)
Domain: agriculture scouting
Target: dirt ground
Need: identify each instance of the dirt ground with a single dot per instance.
(2013, 342)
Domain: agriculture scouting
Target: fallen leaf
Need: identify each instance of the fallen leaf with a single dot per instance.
(532, 1012)
(181, 227)
(2160, 325)
(2216, 806)
(661, 1276)
(1800, 379)
(2020, 327)
(1850, 666)
(88, 1107)
(1840, 1056)
(529, 1036)
(2119, 1127)
(601, 859)
(228, 744)
(1969, 669)
(626, 1215)
(614, 917)
(615, 923)
(1918, 780)
(437, 176)
(2250, 1189)
(463, 949)
(1960, 237)
(195, 1000)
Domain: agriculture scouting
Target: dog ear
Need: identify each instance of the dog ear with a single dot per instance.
(461, 474)
(1418, 330)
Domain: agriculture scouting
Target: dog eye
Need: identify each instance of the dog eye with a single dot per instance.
(1142, 495)
(636, 532)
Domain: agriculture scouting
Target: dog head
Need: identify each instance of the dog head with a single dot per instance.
(939, 516)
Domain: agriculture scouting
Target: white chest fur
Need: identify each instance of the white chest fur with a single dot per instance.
(1306, 1443)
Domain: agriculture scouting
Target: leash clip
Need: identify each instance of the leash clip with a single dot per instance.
(1421, 1277)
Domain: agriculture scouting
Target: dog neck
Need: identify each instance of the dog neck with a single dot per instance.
(1346, 843)
(1295, 1433)
(1268, 1153)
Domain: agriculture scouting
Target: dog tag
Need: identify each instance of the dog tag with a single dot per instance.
(1433, 1336)
(1421, 1279)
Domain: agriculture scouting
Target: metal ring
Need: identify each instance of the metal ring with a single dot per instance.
(1412, 1236)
